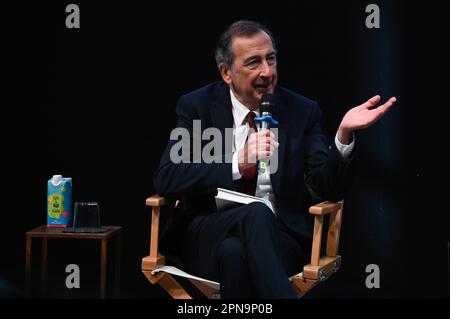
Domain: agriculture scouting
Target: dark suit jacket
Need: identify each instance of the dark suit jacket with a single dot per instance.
(306, 162)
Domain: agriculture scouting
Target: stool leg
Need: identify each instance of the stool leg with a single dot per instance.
(44, 266)
(117, 266)
(103, 269)
(28, 265)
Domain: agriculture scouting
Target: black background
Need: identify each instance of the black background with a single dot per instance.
(97, 104)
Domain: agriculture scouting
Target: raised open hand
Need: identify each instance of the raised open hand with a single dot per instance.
(362, 116)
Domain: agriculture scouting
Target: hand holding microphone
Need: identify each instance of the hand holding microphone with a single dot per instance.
(260, 145)
(265, 121)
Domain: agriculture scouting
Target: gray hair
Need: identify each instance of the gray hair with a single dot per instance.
(243, 28)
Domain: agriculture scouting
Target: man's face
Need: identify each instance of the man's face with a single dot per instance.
(254, 68)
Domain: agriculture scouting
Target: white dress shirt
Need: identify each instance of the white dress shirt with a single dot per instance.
(240, 133)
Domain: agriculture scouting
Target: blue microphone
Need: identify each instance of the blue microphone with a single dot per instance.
(265, 121)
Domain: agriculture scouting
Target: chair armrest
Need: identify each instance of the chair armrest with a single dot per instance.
(155, 201)
(332, 244)
(324, 208)
(154, 258)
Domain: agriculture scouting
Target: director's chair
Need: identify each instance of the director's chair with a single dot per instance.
(318, 270)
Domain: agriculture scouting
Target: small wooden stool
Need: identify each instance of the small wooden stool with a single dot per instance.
(45, 233)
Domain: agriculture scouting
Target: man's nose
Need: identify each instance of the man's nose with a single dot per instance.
(266, 69)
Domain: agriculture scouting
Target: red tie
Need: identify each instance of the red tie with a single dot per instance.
(247, 184)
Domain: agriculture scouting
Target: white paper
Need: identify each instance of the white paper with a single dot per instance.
(226, 198)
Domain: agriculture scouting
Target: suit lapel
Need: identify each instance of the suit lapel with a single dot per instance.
(281, 115)
(222, 116)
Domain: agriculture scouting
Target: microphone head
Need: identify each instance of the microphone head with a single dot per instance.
(267, 103)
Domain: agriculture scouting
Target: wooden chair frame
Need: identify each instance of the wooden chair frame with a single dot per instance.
(319, 269)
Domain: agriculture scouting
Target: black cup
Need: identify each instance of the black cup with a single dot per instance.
(86, 214)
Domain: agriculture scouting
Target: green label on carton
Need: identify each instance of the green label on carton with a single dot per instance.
(55, 205)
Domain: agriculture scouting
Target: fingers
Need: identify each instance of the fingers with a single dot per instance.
(378, 113)
(386, 106)
(371, 102)
(267, 141)
(267, 147)
(262, 145)
(265, 133)
(262, 137)
(264, 153)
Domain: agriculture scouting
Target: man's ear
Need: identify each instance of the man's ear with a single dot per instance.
(225, 72)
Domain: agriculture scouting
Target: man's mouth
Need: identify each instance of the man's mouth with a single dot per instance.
(263, 86)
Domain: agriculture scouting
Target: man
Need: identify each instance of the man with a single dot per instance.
(252, 249)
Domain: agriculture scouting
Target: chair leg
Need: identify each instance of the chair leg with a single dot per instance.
(302, 285)
(173, 288)
(208, 291)
(169, 284)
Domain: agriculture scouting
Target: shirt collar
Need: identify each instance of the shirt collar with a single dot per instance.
(240, 111)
